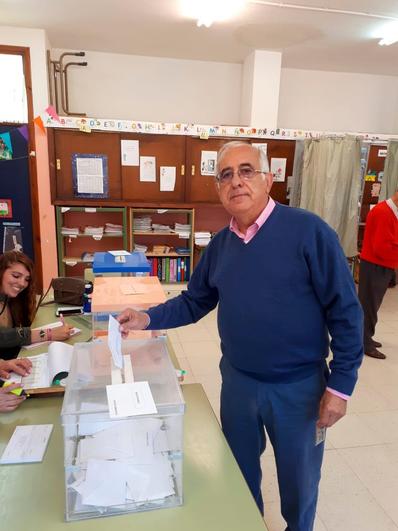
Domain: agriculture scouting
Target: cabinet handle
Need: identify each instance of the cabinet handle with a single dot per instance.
(193, 169)
(58, 164)
(182, 169)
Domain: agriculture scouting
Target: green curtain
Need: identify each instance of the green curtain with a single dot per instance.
(389, 184)
(331, 182)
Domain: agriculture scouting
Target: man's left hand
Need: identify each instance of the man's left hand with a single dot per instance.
(332, 408)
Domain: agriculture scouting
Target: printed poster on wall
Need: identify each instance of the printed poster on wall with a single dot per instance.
(148, 169)
(12, 237)
(5, 208)
(167, 178)
(90, 175)
(208, 163)
(130, 152)
(278, 169)
(5, 146)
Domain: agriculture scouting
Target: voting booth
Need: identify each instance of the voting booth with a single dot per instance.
(123, 430)
(111, 295)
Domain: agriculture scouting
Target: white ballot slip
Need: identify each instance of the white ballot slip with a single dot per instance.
(115, 341)
(130, 399)
(27, 444)
(47, 366)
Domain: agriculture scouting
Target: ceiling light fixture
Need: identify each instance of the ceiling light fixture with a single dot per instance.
(209, 11)
(388, 34)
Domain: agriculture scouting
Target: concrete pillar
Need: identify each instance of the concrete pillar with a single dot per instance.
(260, 89)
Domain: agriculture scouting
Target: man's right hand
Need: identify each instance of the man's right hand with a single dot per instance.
(130, 319)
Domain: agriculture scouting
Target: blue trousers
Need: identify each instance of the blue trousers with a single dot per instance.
(289, 412)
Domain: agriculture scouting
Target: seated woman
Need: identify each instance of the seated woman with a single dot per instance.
(17, 307)
(9, 401)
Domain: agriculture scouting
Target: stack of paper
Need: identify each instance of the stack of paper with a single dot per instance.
(158, 227)
(183, 230)
(112, 228)
(142, 224)
(125, 462)
(70, 231)
(140, 248)
(94, 230)
(202, 238)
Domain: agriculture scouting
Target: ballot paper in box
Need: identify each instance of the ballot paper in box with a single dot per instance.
(123, 430)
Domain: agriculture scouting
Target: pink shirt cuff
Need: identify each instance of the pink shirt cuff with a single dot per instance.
(337, 393)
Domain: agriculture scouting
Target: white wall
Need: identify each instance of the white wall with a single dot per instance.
(155, 89)
(338, 101)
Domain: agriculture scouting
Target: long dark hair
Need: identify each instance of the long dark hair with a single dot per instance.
(22, 307)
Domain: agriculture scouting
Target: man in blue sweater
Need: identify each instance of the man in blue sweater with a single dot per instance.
(282, 285)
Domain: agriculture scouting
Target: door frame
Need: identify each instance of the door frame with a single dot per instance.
(34, 187)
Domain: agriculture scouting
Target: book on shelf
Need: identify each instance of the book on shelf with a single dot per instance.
(169, 269)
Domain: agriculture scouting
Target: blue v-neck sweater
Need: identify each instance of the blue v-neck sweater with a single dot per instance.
(279, 295)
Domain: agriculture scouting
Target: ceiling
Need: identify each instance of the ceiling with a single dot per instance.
(307, 39)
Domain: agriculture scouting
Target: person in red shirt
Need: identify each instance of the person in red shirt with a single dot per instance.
(379, 259)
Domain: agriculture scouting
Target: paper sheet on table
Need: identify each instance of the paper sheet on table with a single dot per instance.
(167, 178)
(105, 483)
(130, 399)
(55, 324)
(115, 341)
(119, 253)
(130, 152)
(90, 175)
(46, 366)
(134, 289)
(27, 444)
(148, 169)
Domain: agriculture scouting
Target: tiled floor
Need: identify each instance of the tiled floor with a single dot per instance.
(359, 487)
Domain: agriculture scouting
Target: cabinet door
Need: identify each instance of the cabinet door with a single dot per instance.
(280, 149)
(168, 151)
(201, 188)
(67, 143)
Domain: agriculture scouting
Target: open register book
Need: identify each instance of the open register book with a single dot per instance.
(47, 370)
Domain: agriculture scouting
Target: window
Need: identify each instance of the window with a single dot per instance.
(13, 104)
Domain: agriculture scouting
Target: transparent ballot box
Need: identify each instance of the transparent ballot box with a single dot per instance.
(124, 464)
(111, 295)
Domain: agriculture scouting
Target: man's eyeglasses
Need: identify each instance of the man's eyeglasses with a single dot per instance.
(245, 172)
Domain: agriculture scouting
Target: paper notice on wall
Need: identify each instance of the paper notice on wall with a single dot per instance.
(130, 150)
(167, 178)
(148, 169)
(278, 169)
(261, 146)
(208, 163)
(90, 175)
(382, 153)
(375, 190)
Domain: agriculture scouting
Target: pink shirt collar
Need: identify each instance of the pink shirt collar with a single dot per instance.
(253, 229)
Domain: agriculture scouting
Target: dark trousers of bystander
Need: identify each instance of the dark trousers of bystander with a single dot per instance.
(374, 280)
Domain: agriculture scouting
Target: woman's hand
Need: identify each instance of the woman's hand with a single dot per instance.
(9, 401)
(21, 366)
(60, 333)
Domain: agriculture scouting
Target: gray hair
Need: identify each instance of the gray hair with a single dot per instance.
(262, 157)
